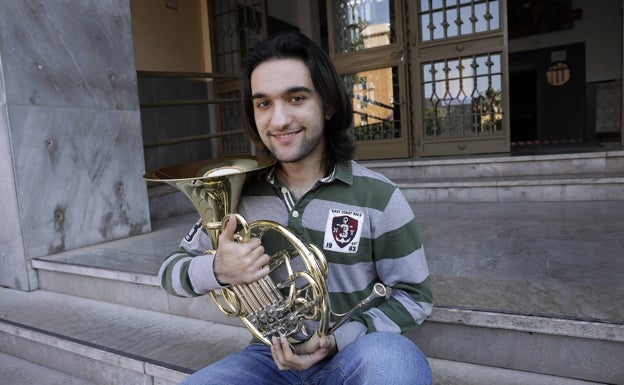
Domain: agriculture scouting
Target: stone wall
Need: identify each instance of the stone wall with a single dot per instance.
(71, 152)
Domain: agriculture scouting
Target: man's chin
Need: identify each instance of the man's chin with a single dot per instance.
(288, 160)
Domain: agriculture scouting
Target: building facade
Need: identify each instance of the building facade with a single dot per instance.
(87, 89)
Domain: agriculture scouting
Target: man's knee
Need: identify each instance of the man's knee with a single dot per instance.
(389, 350)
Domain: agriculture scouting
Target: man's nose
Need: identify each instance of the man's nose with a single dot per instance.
(281, 116)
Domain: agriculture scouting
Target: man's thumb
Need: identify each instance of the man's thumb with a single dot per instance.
(325, 343)
(230, 227)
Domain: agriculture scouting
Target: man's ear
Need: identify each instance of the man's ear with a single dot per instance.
(329, 112)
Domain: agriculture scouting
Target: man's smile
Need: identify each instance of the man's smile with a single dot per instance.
(285, 135)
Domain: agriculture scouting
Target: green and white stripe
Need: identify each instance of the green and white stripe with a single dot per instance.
(389, 249)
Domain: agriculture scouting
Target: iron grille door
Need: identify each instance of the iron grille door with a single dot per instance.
(366, 42)
(237, 27)
(459, 76)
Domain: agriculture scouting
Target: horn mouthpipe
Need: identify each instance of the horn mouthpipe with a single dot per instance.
(379, 290)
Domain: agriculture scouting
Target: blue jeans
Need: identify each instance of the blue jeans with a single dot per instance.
(376, 358)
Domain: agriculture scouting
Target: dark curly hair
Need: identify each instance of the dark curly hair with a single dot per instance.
(339, 145)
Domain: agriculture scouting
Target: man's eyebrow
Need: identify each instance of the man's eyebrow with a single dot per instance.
(288, 91)
(293, 90)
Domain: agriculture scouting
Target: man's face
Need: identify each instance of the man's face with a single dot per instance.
(288, 112)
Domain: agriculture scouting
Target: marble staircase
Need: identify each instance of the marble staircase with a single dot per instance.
(100, 316)
(558, 177)
(529, 178)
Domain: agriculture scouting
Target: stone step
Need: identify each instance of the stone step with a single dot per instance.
(108, 344)
(559, 347)
(481, 255)
(501, 167)
(16, 371)
(125, 272)
(564, 322)
(169, 202)
(546, 188)
(563, 177)
(461, 373)
(565, 348)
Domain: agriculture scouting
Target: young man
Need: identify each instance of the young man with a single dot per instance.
(295, 105)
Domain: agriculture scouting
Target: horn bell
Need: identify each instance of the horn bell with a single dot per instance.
(298, 298)
(267, 307)
(213, 186)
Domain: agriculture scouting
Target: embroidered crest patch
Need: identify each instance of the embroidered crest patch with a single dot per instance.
(343, 231)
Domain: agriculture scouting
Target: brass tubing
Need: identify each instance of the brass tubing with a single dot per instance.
(229, 306)
(268, 289)
(379, 290)
(214, 187)
(240, 293)
(260, 294)
(257, 295)
(251, 297)
(266, 294)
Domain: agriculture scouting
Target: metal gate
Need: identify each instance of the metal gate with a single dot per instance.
(366, 42)
(459, 73)
(237, 27)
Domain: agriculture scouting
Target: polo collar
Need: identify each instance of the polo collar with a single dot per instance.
(342, 171)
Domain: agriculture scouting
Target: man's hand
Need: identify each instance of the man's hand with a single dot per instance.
(303, 355)
(239, 263)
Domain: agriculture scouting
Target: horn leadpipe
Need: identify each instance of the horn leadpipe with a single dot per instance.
(379, 290)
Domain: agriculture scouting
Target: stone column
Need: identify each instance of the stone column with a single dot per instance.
(71, 153)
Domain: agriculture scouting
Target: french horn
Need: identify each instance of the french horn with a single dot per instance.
(268, 307)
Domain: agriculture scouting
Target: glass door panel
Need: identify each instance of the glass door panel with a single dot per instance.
(441, 19)
(461, 82)
(238, 26)
(462, 97)
(376, 116)
(362, 24)
(366, 45)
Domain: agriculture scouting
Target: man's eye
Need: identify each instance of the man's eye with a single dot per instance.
(297, 99)
(262, 104)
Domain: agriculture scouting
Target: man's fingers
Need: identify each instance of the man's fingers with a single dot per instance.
(285, 358)
(278, 351)
(230, 227)
(328, 343)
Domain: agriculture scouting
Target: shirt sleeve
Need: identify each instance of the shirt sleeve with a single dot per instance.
(401, 265)
(188, 271)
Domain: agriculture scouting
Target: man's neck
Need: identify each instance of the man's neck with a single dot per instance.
(299, 177)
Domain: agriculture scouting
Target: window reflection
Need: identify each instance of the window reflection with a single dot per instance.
(362, 24)
(462, 96)
(446, 19)
(374, 92)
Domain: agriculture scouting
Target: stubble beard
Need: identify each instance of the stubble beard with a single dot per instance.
(307, 147)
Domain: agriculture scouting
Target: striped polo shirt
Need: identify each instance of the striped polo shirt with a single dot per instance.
(366, 230)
